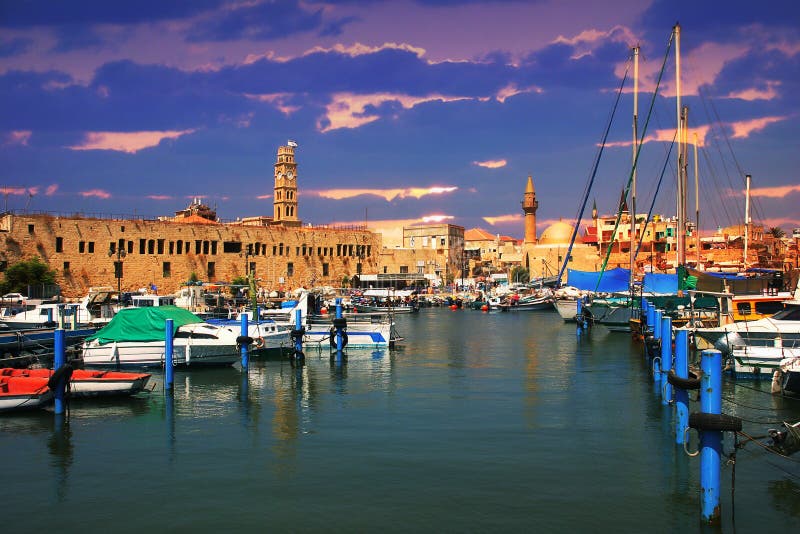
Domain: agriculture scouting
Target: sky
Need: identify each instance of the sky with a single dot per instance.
(404, 111)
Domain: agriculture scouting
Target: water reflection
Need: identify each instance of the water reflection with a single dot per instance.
(62, 454)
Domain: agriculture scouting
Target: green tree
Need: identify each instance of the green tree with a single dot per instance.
(777, 232)
(520, 275)
(31, 272)
(193, 277)
(238, 281)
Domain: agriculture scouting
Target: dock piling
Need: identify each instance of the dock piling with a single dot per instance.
(710, 440)
(169, 369)
(666, 359)
(243, 345)
(681, 395)
(59, 360)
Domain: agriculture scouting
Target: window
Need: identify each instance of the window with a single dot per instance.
(30, 228)
(744, 308)
(166, 271)
(172, 247)
(769, 307)
(90, 247)
(180, 247)
(161, 246)
(290, 269)
(213, 248)
(443, 241)
(142, 245)
(404, 269)
(211, 271)
(66, 268)
(325, 270)
(151, 246)
(59, 244)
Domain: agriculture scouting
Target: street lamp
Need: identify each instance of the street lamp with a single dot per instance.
(120, 253)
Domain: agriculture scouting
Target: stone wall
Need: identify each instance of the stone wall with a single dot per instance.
(83, 252)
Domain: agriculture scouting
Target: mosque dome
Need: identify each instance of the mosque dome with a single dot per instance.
(558, 233)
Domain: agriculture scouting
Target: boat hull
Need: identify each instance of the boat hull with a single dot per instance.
(23, 393)
(150, 354)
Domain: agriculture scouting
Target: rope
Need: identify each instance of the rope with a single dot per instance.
(636, 159)
(592, 177)
(658, 186)
(766, 448)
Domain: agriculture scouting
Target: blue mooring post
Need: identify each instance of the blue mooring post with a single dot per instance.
(339, 333)
(579, 314)
(298, 339)
(59, 359)
(169, 369)
(651, 317)
(710, 440)
(666, 359)
(243, 349)
(657, 335)
(681, 395)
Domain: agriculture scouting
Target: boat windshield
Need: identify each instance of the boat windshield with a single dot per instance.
(789, 314)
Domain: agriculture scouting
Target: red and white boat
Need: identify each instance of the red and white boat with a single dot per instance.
(23, 393)
(90, 383)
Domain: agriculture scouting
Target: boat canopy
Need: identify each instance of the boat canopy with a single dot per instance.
(610, 281)
(143, 324)
(662, 284)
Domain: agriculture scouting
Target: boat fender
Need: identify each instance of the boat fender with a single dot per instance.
(715, 421)
(333, 338)
(340, 322)
(259, 342)
(244, 340)
(693, 382)
(62, 373)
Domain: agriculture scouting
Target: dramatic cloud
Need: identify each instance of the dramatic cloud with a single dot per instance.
(51, 190)
(771, 192)
(159, 197)
(491, 164)
(14, 190)
(388, 194)
(98, 193)
(503, 219)
(20, 138)
(743, 129)
(129, 142)
(349, 110)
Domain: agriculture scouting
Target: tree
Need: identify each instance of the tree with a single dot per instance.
(520, 275)
(777, 232)
(32, 272)
(236, 283)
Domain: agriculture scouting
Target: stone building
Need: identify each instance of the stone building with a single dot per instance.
(166, 252)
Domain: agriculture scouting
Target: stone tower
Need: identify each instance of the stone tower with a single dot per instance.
(529, 206)
(285, 197)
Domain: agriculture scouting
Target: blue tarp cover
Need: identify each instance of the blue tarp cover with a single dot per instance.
(660, 283)
(613, 280)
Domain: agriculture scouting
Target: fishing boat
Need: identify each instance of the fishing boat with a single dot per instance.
(386, 300)
(90, 383)
(534, 302)
(23, 393)
(135, 338)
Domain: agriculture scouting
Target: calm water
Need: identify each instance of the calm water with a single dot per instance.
(483, 422)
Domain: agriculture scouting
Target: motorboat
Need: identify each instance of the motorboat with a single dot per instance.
(267, 335)
(762, 361)
(23, 393)
(790, 375)
(135, 338)
(95, 309)
(90, 383)
(527, 303)
(386, 301)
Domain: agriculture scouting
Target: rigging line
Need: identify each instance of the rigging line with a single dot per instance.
(719, 188)
(591, 179)
(732, 400)
(655, 194)
(708, 177)
(715, 142)
(756, 205)
(636, 159)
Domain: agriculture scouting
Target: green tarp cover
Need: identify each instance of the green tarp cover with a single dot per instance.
(143, 324)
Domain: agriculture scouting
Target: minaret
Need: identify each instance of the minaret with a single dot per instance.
(529, 206)
(285, 197)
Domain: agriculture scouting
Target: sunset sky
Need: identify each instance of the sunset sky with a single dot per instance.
(404, 111)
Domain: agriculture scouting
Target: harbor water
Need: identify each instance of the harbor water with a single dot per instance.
(480, 422)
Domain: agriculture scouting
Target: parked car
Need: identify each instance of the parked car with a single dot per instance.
(14, 297)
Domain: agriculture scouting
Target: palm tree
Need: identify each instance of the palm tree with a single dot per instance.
(777, 232)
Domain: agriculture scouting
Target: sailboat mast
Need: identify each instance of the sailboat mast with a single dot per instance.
(696, 203)
(746, 216)
(635, 149)
(679, 204)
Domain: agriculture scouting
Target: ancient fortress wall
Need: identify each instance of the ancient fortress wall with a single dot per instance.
(83, 252)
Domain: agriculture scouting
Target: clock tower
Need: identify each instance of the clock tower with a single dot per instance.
(285, 196)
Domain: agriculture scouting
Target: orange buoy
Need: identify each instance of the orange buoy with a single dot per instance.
(323, 310)
(453, 307)
(484, 308)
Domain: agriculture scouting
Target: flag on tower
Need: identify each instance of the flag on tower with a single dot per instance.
(291, 143)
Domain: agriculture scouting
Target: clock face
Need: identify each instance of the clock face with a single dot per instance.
(290, 175)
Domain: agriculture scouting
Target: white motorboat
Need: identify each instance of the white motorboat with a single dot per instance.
(762, 361)
(267, 335)
(95, 309)
(790, 375)
(135, 338)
